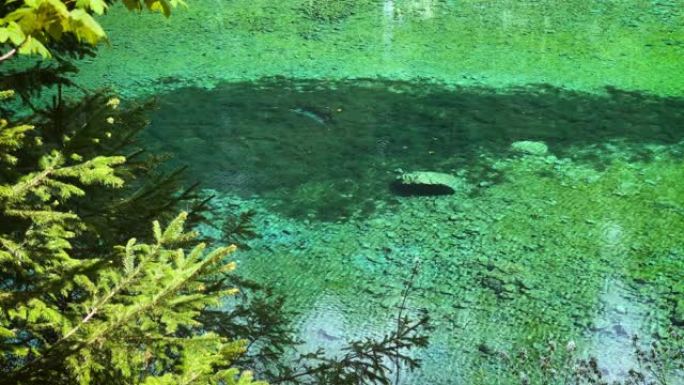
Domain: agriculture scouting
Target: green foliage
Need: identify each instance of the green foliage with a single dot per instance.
(95, 125)
(30, 26)
(128, 316)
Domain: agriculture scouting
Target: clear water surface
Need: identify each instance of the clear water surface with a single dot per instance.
(584, 242)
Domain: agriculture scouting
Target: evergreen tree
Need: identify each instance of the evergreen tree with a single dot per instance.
(129, 317)
(74, 307)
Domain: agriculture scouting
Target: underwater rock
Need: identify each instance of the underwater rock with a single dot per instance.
(426, 183)
(529, 147)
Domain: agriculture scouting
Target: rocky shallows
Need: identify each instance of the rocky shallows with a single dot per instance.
(511, 265)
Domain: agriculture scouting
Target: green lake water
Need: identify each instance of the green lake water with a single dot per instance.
(583, 242)
(306, 116)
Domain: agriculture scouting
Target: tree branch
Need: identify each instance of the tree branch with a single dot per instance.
(11, 52)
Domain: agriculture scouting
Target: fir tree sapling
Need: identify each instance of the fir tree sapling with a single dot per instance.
(129, 316)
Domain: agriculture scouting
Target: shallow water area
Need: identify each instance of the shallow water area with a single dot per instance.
(579, 44)
(581, 242)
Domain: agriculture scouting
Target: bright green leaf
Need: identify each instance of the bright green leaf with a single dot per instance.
(33, 46)
(97, 6)
(85, 27)
(13, 33)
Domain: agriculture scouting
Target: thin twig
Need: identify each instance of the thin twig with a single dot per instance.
(9, 54)
(402, 307)
(12, 52)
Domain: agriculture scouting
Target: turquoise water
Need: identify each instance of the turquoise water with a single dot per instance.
(581, 242)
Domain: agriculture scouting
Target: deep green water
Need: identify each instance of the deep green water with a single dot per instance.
(585, 242)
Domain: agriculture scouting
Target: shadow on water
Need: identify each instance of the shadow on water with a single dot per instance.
(328, 151)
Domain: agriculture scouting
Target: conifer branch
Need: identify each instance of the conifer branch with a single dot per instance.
(21, 188)
(117, 289)
(43, 361)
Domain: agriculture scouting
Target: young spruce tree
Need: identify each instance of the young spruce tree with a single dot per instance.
(129, 317)
(70, 314)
